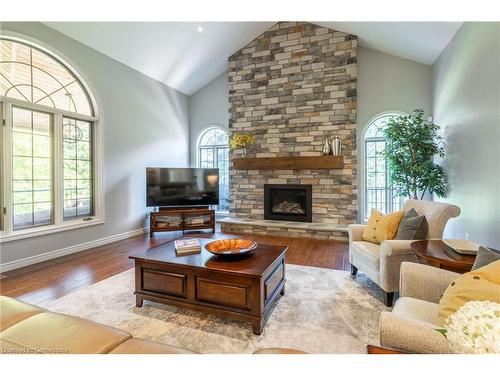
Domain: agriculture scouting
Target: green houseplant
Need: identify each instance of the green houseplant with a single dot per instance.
(412, 144)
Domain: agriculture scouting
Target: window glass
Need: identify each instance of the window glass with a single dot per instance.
(32, 201)
(49, 135)
(31, 75)
(77, 162)
(213, 152)
(378, 193)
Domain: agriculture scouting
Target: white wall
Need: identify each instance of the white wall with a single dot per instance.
(388, 83)
(208, 106)
(145, 123)
(466, 92)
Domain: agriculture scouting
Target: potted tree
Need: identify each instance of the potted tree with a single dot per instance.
(412, 145)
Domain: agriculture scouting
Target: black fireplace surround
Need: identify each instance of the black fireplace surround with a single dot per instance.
(288, 202)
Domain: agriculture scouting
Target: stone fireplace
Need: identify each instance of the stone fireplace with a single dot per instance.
(293, 87)
(288, 202)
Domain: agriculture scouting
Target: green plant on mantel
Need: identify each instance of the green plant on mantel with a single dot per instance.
(412, 144)
(241, 140)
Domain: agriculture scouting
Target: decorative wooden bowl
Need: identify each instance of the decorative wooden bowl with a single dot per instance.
(230, 247)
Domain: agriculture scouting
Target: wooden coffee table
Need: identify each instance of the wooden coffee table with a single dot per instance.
(242, 289)
(438, 254)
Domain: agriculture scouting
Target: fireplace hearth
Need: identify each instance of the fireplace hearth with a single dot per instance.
(288, 202)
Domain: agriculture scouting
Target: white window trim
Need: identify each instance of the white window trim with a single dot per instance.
(362, 166)
(200, 136)
(59, 225)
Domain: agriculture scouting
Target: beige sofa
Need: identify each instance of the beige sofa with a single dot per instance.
(27, 329)
(381, 263)
(410, 327)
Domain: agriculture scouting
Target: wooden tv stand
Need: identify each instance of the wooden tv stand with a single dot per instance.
(181, 218)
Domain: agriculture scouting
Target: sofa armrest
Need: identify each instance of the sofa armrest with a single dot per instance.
(355, 232)
(424, 282)
(410, 335)
(395, 248)
(392, 254)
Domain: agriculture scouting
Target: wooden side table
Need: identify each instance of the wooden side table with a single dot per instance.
(438, 254)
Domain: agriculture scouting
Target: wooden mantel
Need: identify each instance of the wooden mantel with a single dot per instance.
(290, 162)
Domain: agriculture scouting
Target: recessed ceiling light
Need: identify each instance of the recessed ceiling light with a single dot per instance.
(200, 29)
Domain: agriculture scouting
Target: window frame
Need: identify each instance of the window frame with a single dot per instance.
(6, 104)
(215, 149)
(363, 142)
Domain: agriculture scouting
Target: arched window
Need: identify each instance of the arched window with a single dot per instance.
(49, 167)
(213, 152)
(377, 191)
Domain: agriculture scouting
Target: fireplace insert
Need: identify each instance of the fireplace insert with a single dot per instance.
(288, 202)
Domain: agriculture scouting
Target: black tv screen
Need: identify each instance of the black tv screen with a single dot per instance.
(182, 187)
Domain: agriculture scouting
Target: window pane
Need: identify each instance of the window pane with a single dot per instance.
(31, 168)
(223, 165)
(77, 155)
(23, 216)
(206, 158)
(69, 149)
(22, 168)
(31, 75)
(213, 152)
(42, 168)
(22, 145)
(41, 145)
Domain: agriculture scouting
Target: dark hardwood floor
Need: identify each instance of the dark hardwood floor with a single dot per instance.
(47, 281)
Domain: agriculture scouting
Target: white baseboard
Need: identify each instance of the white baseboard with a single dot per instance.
(4, 267)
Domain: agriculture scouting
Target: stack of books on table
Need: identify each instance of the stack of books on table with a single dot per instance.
(186, 247)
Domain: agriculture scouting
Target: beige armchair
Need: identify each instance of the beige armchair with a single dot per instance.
(410, 327)
(381, 263)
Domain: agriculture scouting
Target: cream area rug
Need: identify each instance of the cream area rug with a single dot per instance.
(323, 311)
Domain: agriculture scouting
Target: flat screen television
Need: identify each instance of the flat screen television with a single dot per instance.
(167, 187)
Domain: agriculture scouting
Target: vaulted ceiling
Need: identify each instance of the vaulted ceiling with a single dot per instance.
(188, 55)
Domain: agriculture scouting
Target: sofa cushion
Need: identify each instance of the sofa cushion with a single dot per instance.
(368, 252)
(417, 309)
(412, 226)
(13, 311)
(140, 346)
(482, 284)
(382, 227)
(57, 333)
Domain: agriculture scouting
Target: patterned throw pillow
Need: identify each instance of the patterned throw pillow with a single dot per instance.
(484, 257)
(382, 227)
(413, 226)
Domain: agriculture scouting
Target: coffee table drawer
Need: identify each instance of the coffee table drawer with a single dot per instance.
(164, 282)
(274, 280)
(221, 293)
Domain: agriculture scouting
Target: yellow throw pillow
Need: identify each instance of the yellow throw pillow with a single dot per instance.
(482, 284)
(382, 227)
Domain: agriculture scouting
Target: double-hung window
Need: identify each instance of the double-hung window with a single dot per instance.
(49, 156)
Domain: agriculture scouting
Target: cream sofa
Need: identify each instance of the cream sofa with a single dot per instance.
(410, 327)
(381, 263)
(27, 329)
